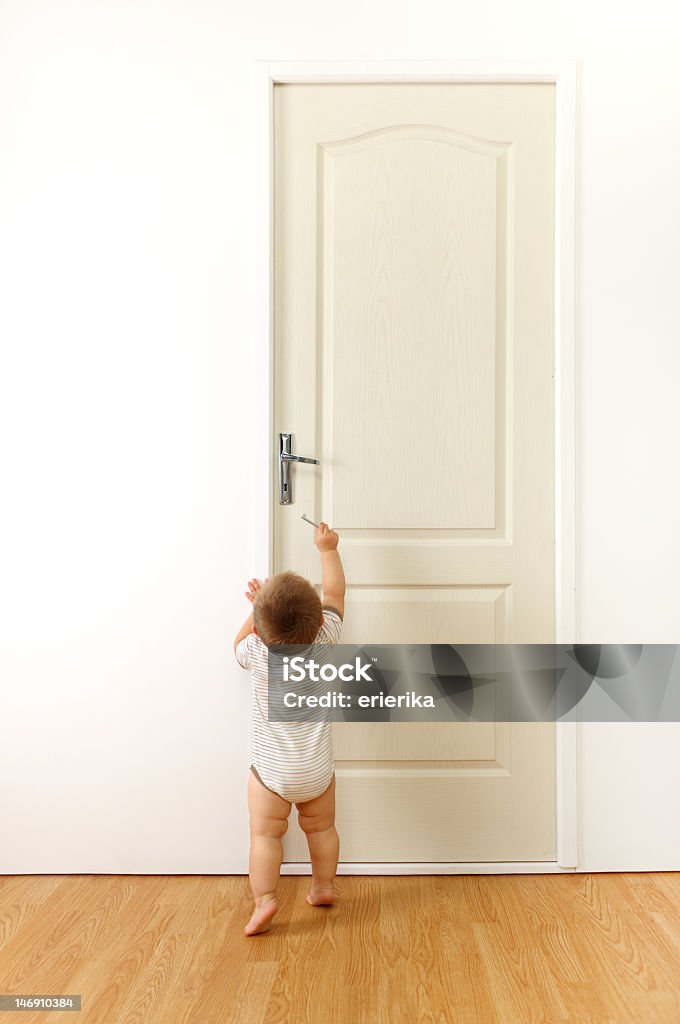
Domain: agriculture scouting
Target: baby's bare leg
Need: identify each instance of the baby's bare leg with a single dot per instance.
(317, 820)
(268, 823)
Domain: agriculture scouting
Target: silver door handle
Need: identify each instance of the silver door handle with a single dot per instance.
(297, 458)
(285, 459)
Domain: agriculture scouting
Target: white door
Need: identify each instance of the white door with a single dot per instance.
(413, 295)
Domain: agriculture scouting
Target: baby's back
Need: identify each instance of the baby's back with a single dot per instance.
(294, 759)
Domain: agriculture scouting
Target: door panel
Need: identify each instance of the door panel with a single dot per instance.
(410, 325)
(413, 306)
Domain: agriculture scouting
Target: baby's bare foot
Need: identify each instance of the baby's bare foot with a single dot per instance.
(320, 896)
(262, 918)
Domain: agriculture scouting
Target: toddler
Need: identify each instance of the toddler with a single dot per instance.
(292, 763)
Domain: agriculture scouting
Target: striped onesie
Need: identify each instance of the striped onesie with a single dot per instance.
(293, 759)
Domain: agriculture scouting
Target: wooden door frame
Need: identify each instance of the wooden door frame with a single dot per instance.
(564, 74)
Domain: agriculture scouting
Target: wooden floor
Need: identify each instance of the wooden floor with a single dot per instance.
(488, 949)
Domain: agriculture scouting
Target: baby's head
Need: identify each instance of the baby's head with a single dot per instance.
(287, 610)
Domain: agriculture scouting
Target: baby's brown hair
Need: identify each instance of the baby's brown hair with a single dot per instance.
(287, 610)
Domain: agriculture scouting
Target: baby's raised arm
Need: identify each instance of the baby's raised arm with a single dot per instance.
(332, 573)
(251, 593)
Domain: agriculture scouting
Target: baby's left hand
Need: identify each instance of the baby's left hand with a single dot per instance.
(253, 587)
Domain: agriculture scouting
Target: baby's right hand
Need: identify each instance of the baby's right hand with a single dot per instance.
(326, 539)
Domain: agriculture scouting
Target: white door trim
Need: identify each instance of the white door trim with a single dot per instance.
(265, 74)
(501, 867)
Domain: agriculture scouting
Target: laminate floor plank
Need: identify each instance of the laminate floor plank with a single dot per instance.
(599, 948)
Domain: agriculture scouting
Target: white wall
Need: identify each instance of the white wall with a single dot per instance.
(126, 412)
